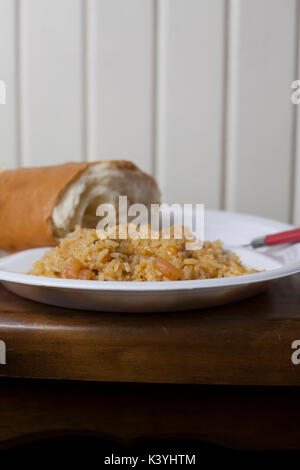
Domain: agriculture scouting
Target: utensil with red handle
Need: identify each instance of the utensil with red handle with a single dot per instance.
(289, 236)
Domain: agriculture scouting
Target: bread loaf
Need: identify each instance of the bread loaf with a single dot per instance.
(38, 206)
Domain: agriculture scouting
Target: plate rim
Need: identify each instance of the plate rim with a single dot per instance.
(157, 286)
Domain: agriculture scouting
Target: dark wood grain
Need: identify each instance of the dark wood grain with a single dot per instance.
(245, 343)
(242, 417)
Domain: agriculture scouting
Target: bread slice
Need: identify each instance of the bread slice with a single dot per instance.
(38, 206)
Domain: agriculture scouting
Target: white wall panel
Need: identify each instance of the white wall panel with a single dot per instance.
(9, 141)
(51, 81)
(259, 137)
(190, 108)
(197, 92)
(120, 74)
(296, 205)
(295, 188)
(296, 185)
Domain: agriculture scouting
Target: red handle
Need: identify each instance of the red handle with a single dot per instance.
(284, 237)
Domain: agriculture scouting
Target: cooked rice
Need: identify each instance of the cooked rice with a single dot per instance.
(83, 255)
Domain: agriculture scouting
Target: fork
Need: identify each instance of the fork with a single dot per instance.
(289, 236)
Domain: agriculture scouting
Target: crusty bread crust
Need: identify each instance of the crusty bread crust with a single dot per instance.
(28, 197)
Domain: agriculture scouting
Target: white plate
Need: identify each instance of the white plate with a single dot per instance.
(232, 229)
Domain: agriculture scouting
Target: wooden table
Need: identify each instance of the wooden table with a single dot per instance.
(222, 374)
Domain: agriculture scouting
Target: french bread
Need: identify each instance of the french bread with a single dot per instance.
(38, 206)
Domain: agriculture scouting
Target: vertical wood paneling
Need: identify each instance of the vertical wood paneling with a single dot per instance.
(296, 211)
(190, 84)
(259, 138)
(121, 80)
(296, 186)
(295, 189)
(147, 80)
(51, 81)
(8, 73)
